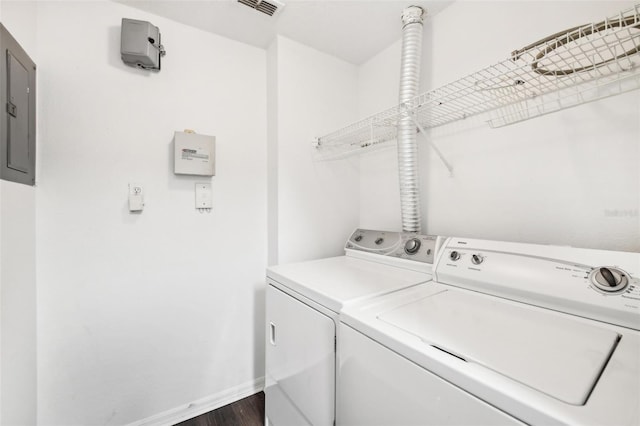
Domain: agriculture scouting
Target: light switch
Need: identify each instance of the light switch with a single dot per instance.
(204, 196)
(136, 197)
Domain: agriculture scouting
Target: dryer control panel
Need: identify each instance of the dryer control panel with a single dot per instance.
(596, 284)
(401, 245)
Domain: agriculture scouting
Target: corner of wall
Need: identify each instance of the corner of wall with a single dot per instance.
(317, 200)
(272, 153)
(19, 17)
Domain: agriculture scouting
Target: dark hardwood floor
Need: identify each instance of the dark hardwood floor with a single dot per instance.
(245, 412)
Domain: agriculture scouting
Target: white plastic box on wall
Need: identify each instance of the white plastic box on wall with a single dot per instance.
(194, 154)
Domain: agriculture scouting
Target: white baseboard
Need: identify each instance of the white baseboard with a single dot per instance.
(203, 405)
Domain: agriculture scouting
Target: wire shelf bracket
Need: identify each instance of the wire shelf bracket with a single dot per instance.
(434, 147)
(573, 67)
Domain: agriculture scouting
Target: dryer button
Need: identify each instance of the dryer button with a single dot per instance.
(412, 246)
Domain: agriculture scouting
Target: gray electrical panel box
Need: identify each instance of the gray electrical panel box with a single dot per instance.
(18, 102)
(140, 44)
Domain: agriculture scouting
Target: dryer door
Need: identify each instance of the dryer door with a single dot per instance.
(300, 363)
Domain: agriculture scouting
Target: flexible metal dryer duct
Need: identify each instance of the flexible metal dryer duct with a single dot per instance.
(407, 148)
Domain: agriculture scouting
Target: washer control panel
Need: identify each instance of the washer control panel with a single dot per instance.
(475, 258)
(403, 245)
(596, 284)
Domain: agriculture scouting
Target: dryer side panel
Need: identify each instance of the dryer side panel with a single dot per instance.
(300, 362)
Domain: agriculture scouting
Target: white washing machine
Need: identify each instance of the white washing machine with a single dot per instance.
(506, 333)
(302, 305)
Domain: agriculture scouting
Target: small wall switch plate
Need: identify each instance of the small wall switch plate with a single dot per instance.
(204, 196)
(136, 197)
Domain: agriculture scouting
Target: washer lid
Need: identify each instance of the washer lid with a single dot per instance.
(550, 352)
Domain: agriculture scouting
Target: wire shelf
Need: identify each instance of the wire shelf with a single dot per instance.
(567, 69)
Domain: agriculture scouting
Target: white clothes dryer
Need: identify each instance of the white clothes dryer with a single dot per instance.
(506, 333)
(302, 305)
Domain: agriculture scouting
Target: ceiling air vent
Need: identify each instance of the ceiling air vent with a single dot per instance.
(267, 7)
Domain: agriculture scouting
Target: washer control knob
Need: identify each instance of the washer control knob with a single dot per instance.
(476, 259)
(609, 279)
(412, 246)
(454, 255)
(379, 241)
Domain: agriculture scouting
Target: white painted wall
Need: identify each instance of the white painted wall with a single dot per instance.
(1, 233)
(142, 314)
(378, 86)
(569, 178)
(272, 153)
(18, 308)
(317, 202)
(18, 379)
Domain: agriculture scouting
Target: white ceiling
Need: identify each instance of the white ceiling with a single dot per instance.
(353, 30)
